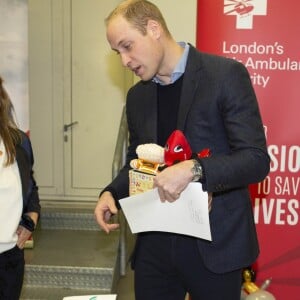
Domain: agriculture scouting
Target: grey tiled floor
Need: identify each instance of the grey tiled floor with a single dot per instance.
(80, 248)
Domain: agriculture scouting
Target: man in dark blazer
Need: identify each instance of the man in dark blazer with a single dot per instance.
(211, 100)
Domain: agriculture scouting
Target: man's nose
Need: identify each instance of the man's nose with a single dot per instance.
(125, 60)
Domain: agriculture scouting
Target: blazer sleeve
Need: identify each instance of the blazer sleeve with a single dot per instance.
(30, 189)
(141, 130)
(241, 156)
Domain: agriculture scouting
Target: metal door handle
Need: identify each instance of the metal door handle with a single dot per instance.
(67, 126)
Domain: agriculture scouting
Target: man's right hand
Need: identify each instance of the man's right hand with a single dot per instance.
(104, 210)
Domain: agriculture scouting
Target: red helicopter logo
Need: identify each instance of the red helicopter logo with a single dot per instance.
(241, 7)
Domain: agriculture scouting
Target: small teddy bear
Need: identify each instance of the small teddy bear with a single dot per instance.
(150, 158)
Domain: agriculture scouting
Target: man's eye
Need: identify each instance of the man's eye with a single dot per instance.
(127, 46)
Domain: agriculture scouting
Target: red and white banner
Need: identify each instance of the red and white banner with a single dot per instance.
(265, 36)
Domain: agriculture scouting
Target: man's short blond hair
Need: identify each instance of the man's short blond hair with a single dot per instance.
(138, 13)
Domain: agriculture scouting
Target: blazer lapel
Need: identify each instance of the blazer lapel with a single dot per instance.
(189, 88)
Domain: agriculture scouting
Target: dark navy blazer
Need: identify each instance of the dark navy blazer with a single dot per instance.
(218, 110)
(24, 156)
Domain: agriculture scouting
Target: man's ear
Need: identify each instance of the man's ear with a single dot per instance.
(154, 28)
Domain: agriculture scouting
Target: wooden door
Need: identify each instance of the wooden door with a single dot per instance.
(77, 92)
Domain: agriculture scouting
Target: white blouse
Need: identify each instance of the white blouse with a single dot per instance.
(11, 202)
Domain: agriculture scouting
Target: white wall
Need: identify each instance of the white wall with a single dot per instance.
(180, 16)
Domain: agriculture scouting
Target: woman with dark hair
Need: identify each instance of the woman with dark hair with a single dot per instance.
(19, 199)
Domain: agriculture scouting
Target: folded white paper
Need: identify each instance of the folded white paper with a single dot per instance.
(187, 215)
